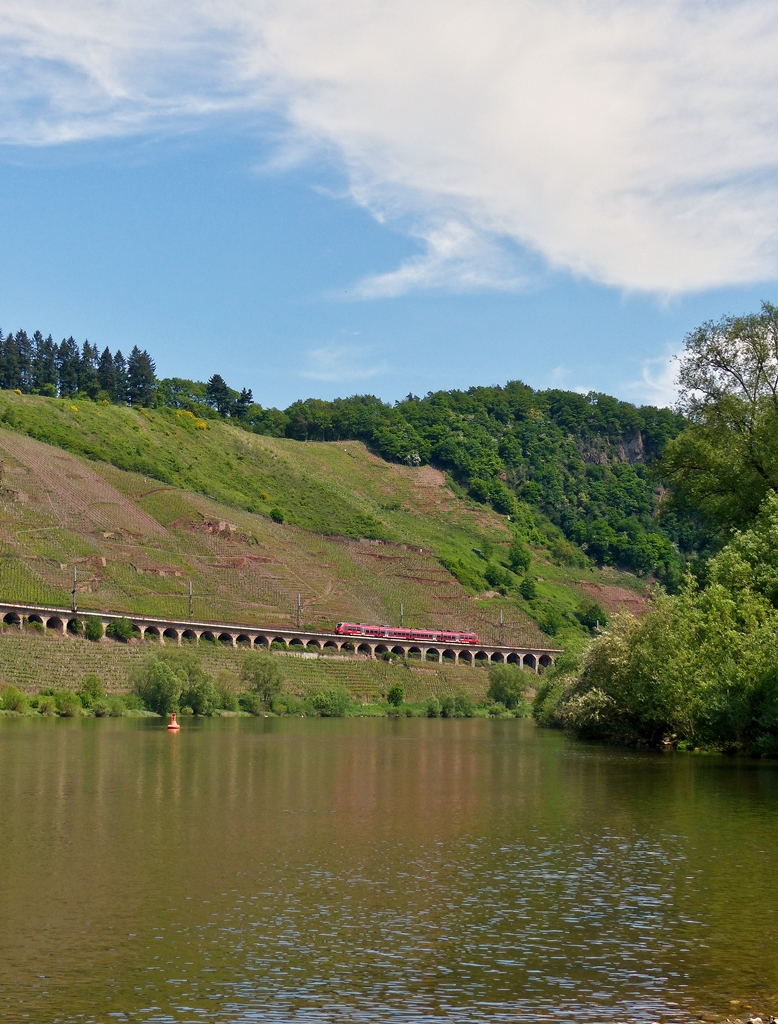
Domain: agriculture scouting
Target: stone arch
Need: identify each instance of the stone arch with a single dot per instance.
(546, 660)
(279, 640)
(12, 619)
(497, 657)
(262, 641)
(365, 649)
(331, 644)
(381, 649)
(227, 639)
(466, 656)
(151, 631)
(54, 622)
(243, 640)
(314, 643)
(189, 634)
(207, 635)
(347, 646)
(35, 618)
(513, 659)
(414, 652)
(449, 655)
(296, 642)
(171, 634)
(75, 626)
(398, 650)
(482, 657)
(529, 661)
(432, 654)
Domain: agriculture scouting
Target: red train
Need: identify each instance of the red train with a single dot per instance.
(440, 636)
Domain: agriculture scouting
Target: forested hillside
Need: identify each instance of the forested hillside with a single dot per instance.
(583, 462)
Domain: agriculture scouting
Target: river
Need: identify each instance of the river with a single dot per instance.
(378, 870)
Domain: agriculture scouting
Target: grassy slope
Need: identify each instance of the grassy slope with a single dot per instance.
(168, 502)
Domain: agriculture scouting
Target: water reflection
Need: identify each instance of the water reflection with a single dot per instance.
(366, 870)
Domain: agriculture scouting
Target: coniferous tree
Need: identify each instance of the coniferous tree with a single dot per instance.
(245, 400)
(141, 377)
(68, 367)
(44, 365)
(119, 393)
(87, 378)
(106, 374)
(218, 394)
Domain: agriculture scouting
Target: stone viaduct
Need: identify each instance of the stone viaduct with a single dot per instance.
(295, 640)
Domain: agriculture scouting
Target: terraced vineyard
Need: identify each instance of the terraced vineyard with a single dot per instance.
(363, 539)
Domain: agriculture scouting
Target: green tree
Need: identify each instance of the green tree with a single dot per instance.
(329, 702)
(91, 690)
(12, 699)
(120, 629)
(528, 588)
(507, 685)
(395, 695)
(519, 557)
(722, 466)
(94, 628)
(158, 686)
(262, 675)
(141, 377)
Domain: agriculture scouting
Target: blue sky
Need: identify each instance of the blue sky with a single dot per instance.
(311, 208)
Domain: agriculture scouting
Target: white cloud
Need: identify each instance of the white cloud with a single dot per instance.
(657, 384)
(635, 144)
(342, 363)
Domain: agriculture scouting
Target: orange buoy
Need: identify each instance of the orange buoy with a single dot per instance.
(173, 725)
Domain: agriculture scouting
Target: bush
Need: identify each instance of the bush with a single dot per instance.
(158, 686)
(13, 699)
(76, 627)
(551, 620)
(120, 629)
(262, 675)
(277, 515)
(287, 704)
(227, 684)
(329, 702)
(591, 615)
(519, 557)
(432, 707)
(91, 690)
(251, 702)
(67, 704)
(528, 589)
(507, 684)
(47, 705)
(94, 628)
(201, 696)
(395, 695)
(456, 705)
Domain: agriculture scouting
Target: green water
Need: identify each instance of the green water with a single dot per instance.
(375, 870)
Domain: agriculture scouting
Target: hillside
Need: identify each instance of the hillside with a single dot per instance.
(141, 502)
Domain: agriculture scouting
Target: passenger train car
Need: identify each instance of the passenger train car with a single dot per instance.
(439, 636)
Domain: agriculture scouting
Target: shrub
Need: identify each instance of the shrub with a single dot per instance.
(395, 695)
(91, 690)
(251, 702)
(262, 674)
(120, 629)
(158, 686)
(528, 589)
(277, 515)
(201, 696)
(227, 690)
(329, 702)
(287, 704)
(75, 626)
(13, 699)
(591, 614)
(94, 628)
(47, 705)
(432, 707)
(519, 557)
(507, 684)
(447, 706)
(551, 620)
(456, 705)
(67, 703)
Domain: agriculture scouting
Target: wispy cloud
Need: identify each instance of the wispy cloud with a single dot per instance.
(633, 144)
(657, 382)
(342, 363)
